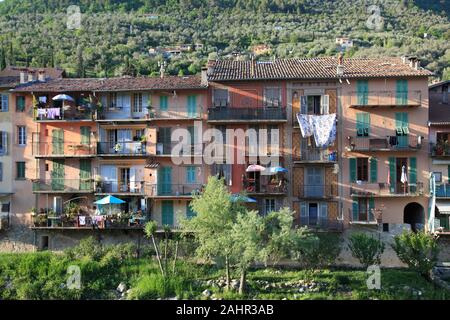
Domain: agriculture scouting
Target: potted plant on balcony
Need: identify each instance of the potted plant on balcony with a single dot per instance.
(150, 112)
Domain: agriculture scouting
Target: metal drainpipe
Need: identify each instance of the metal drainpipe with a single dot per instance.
(340, 149)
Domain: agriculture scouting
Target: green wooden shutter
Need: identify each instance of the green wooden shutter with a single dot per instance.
(352, 165)
(4, 102)
(362, 87)
(402, 128)
(359, 124)
(392, 174)
(167, 213)
(355, 209)
(373, 170)
(402, 92)
(192, 106)
(163, 103)
(189, 212)
(58, 141)
(413, 174)
(85, 135)
(371, 207)
(57, 175)
(20, 103)
(85, 174)
(165, 181)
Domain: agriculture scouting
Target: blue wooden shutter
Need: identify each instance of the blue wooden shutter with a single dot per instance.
(304, 104)
(373, 170)
(355, 209)
(4, 103)
(189, 212)
(362, 87)
(402, 92)
(352, 165)
(167, 213)
(163, 103)
(190, 174)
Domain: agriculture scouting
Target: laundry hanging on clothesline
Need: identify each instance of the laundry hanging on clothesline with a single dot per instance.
(322, 127)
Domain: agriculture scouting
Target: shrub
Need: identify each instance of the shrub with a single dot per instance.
(419, 250)
(153, 286)
(87, 248)
(366, 249)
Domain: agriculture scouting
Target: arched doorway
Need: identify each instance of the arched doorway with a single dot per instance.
(414, 214)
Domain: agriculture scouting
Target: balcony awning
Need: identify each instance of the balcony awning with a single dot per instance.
(444, 207)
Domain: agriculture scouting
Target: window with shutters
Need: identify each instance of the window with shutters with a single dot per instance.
(21, 135)
(1, 171)
(269, 205)
(313, 105)
(137, 106)
(190, 175)
(362, 167)
(20, 170)
(163, 103)
(362, 124)
(362, 87)
(20, 103)
(272, 97)
(189, 212)
(3, 143)
(114, 100)
(85, 135)
(402, 92)
(3, 103)
(220, 97)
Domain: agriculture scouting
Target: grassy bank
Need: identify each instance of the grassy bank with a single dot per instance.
(44, 276)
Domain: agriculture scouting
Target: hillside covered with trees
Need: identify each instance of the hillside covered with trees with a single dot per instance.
(116, 35)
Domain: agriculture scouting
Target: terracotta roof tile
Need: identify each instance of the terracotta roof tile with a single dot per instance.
(315, 68)
(113, 84)
(10, 76)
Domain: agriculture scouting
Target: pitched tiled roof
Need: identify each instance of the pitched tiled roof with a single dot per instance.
(315, 68)
(114, 84)
(10, 76)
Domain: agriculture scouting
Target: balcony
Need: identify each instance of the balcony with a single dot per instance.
(262, 188)
(389, 143)
(126, 221)
(317, 191)
(63, 150)
(373, 99)
(61, 185)
(259, 114)
(385, 190)
(440, 150)
(359, 217)
(47, 113)
(122, 149)
(166, 149)
(316, 155)
(138, 188)
(321, 224)
(443, 190)
(176, 113)
(169, 190)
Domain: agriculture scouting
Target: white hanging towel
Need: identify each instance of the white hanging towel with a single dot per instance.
(305, 123)
(324, 128)
(404, 177)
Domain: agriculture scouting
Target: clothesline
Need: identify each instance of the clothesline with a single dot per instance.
(322, 127)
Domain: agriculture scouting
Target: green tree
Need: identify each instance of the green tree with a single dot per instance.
(212, 225)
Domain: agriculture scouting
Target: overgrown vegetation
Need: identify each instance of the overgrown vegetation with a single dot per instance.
(366, 249)
(419, 250)
(116, 35)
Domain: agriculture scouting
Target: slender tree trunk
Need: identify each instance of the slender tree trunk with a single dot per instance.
(158, 257)
(242, 284)
(227, 273)
(176, 256)
(165, 252)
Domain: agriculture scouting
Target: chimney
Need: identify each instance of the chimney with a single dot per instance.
(31, 75)
(41, 75)
(340, 66)
(210, 67)
(23, 76)
(204, 78)
(405, 59)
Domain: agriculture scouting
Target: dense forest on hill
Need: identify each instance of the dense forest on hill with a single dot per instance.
(115, 35)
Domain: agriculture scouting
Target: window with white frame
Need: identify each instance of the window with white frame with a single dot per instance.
(272, 97)
(220, 97)
(3, 142)
(269, 205)
(137, 107)
(3, 103)
(21, 136)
